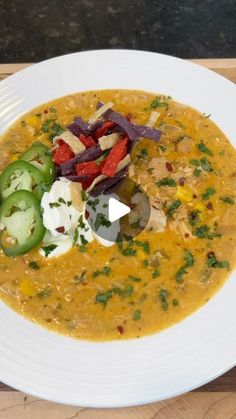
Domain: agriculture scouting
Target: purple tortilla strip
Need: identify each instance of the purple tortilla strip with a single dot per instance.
(147, 132)
(107, 183)
(78, 126)
(120, 120)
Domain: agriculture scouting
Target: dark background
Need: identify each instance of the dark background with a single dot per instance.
(33, 30)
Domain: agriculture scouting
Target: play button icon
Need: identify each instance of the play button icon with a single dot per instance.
(116, 210)
(121, 213)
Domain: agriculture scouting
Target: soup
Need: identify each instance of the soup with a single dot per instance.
(128, 289)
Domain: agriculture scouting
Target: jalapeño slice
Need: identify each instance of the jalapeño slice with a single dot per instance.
(22, 227)
(21, 175)
(39, 155)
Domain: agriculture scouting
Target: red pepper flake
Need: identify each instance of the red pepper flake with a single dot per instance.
(169, 166)
(209, 205)
(86, 214)
(186, 235)
(182, 181)
(194, 196)
(129, 116)
(210, 255)
(45, 111)
(120, 329)
(60, 229)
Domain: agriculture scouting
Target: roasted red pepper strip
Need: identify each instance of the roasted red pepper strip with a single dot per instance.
(62, 153)
(87, 141)
(105, 127)
(90, 167)
(116, 154)
(86, 183)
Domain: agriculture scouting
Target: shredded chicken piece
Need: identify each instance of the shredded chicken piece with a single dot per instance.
(182, 172)
(180, 227)
(158, 164)
(157, 220)
(185, 145)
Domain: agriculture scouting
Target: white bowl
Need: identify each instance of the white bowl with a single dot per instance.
(130, 372)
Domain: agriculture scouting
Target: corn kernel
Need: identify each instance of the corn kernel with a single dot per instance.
(28, 288)
(184, 193)
(32, 120)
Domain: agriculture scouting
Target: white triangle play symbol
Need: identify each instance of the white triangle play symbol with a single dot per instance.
(116, 210)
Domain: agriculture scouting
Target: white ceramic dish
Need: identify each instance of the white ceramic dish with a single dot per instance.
(132, 372)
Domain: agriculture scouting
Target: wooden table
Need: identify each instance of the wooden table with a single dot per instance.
(216, 400)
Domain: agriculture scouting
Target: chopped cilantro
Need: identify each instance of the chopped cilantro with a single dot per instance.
(203, 232)
(158, 103)
(208, 193)
(104, 271)
(155, 273)
(143, 153)
(84, 195)
(44, 293)
(103, 298)
(188, 262)
(49, 249)
(227, 200)
(129, 251)
(83, 240)
(197, 172)
(173, 207)
(62, 201)
(80, 278)
(145, 245)
(54, 204)
(203, 163)
(212, 262)
(137, 315)
(93, 203)
(194, 217)
(101, 220)
(162, 148)
(166, 181)
(34, 265)
(163, 297)
(52, 128)
(175, 302)
(188, 258)
(145, 263)
(135, 278)
(204, 149)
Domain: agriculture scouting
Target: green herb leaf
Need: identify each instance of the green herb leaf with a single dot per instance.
(129, 251)
(34, 265)
(137, 315)
(208, 193)
(173, 207)
(84, 195)
(44, 293)
(197, 172)
(155, 274)
(105, 271)
(204, 149)
(179, 275)
(80, 278)
(103, 298)
(227, 200)
(163, 297)
(188, 258)
(203, 163)
(143, 153)
(135, 278)
(212, 262)
(194, 217)
(49, 249)
(158, 103)
(175, 302)
(203, 232)
(101, 220)
(166, 181)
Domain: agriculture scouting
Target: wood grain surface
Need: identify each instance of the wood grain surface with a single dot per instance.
(215, 400)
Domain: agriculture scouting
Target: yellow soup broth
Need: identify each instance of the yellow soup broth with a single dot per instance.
(161, 283)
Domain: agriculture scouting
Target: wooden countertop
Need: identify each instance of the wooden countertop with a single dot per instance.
(216, 400)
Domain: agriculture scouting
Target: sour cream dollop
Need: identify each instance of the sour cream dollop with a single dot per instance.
(65, 223)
